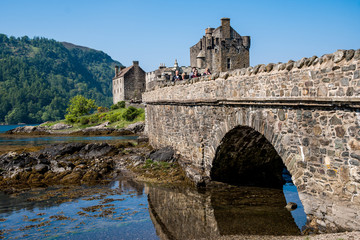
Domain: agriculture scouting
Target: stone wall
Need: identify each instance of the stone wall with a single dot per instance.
(308, 110)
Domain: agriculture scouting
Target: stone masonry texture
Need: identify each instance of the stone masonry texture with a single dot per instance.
(308, 110)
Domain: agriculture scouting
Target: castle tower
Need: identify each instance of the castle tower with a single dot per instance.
(221, 49)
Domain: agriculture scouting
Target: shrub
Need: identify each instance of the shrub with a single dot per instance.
(118, 105)
(84, 120)
(94, 118)
(130, 114)
(70, 118)
(114, 117)
(102, 109)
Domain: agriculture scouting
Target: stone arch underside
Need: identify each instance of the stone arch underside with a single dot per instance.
(246, 157)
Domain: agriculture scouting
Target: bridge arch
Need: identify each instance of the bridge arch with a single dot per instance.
(246, 157)
(249, 127)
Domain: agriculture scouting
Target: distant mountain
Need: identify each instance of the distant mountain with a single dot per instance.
(39, 76)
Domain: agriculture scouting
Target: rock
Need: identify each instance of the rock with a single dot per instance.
(60, 126)
(165, 154)
(269, 67)
(340, 132)
(224, 75)
(281, 66)
(281, 115)
(71, 178)
(339, 55)
(291, 206)
(28, 130)
(295, 91)
(349, 54)
(142, 139)
(93, 150)
(136, 158)
(300, 63)
(289, 66)
(335, 121)
(90, 176)
(41, 168)
(137, 127)
(62, 149)
(357, 54)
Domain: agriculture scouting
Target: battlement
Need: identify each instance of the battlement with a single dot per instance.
(338, 61)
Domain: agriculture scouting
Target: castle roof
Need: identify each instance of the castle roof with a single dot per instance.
(201, 54)
(124, 71)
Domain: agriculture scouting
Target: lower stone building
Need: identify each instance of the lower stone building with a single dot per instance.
(128, 83)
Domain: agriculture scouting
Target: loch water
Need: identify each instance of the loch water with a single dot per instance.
(125, 209)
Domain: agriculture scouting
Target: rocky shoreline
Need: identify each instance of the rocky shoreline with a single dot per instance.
(85, 163)
(65, 129)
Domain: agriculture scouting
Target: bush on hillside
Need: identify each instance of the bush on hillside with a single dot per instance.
(102, 109)
(84, 120)
(118, 105)
(131, 113)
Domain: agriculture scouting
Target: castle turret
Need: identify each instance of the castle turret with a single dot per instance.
(246, 41)
(225, 25)
(209, 38)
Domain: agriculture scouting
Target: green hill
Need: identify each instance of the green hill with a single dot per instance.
(38, 77)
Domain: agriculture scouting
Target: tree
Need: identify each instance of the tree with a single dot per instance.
(79, 106)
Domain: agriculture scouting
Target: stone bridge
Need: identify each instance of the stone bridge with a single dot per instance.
(242, 127)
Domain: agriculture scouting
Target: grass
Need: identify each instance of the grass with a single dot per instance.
(150, 164)
(118, 118)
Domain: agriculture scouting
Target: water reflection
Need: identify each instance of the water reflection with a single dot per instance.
(188, 214)
(114, 211)
(121, 210)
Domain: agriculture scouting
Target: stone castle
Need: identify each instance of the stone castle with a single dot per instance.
(221, 49)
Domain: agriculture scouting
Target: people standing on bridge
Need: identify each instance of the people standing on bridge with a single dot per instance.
(207, 72)
(177, 76)
(183, 75)
(195, 73)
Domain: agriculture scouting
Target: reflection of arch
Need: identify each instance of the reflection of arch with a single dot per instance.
(246, 157)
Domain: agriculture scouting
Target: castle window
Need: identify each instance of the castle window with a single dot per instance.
(217, 41)
(200, 45)
(228, 63)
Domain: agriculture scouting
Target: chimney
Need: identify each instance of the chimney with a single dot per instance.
(225, 26)
(136, 63)
(116, 71)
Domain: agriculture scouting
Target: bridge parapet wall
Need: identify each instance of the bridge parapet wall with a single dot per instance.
(330, 78)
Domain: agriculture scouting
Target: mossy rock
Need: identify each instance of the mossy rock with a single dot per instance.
(72, 178)
(90, 176)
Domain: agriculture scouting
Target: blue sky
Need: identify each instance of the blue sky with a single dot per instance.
(155, 32)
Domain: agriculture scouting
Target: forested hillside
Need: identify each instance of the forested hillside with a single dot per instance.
(39, 76)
